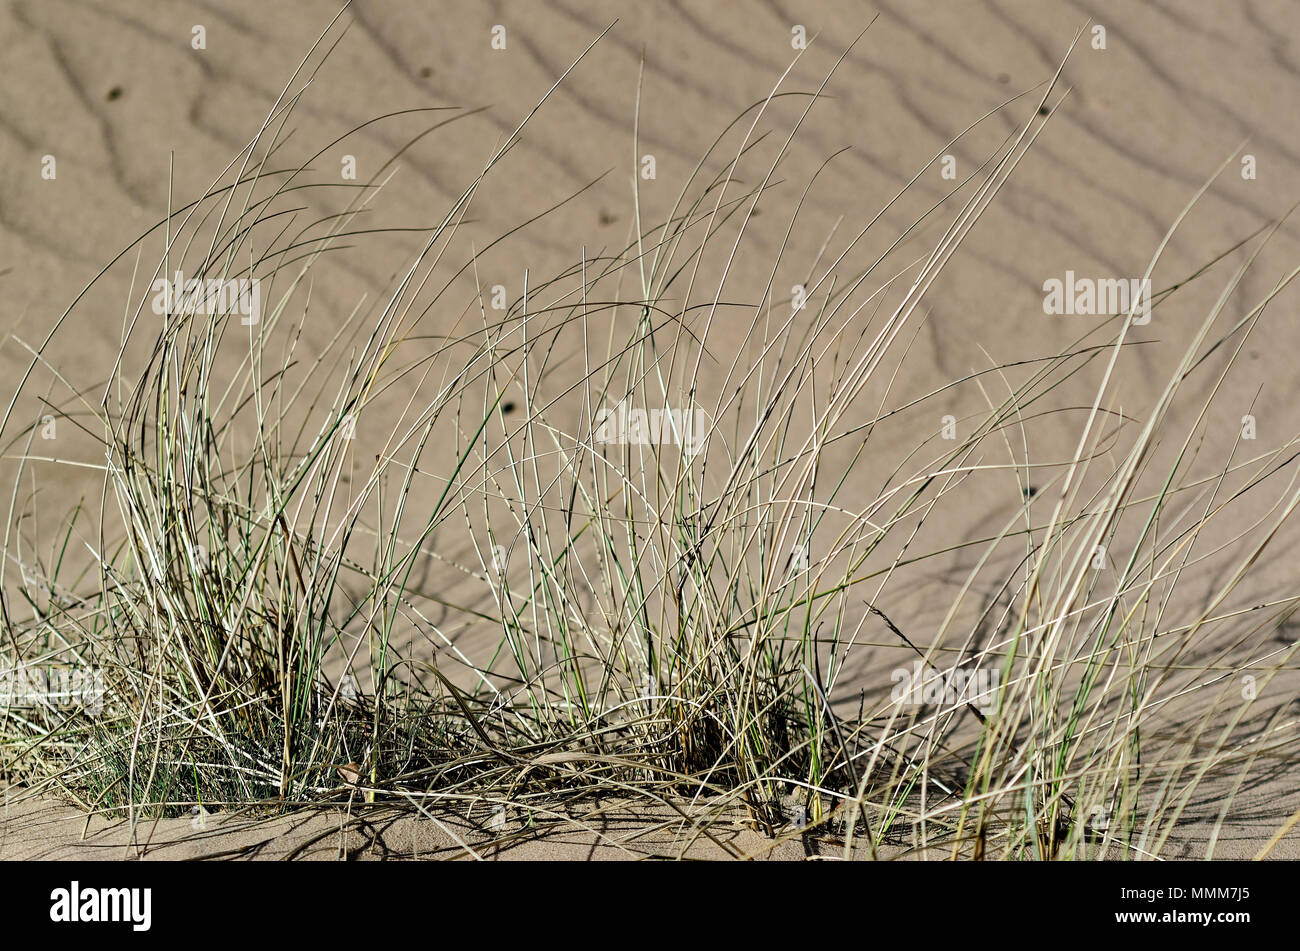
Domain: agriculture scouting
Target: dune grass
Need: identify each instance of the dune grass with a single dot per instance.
(399, 562)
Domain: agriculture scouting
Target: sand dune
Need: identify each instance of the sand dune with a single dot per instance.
(132, 113)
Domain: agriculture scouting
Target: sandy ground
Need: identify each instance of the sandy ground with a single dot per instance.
(34, 828)
(116, 93)
(31, 829)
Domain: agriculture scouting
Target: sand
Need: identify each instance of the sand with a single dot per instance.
(32, 829)
(111, 90)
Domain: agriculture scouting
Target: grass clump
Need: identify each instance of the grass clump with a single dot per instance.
(411, 559)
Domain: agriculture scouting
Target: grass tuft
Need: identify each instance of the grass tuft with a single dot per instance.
(402, 560)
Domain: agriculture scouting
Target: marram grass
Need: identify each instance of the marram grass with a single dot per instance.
(673, 621)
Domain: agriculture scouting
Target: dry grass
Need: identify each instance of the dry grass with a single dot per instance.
(265, 521)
